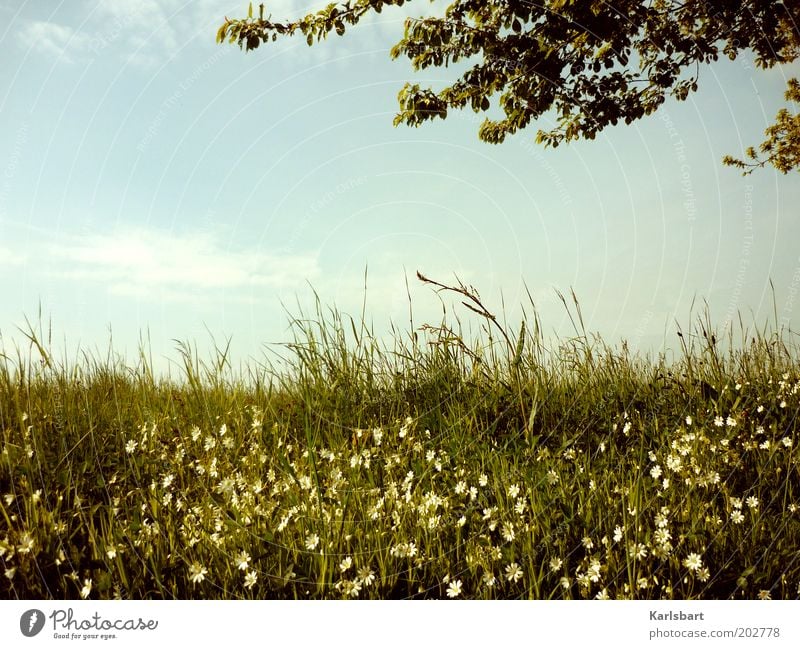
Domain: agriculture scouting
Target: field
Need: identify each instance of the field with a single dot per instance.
(436, 466)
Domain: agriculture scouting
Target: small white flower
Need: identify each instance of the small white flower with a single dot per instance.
(513, 572)
(454, 590)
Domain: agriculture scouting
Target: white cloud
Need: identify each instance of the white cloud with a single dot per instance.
(10, 258)
(145, 262)
(52, 39)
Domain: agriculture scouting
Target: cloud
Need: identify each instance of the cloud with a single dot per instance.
(144, 262)
(54, 40)
(146, 29)
(10, 258)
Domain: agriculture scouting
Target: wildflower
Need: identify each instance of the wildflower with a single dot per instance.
(377, 436)
(513, 491)
(552, 477)
(602, 447)
(718, 421)
(197, 573)
(730, 421)
(366, 576)
(87, 588)
(703, 574)
(752, 503)
(760, 409)
(461, 487)
(489, 579)
(26, 543)
(555, 564)
(736, 503)
(508, 532)
(10, 573)
(662, 536)
(618, 532)
(786, 441)
(483, 480)
(688, 420)
(250, 579)
(736, 516)
(455, 589)
(565, 583)
(637, 551)
(513, 572)
(111, 553)
(782, 404)
(594, 570)
(312, 541)
(603, 594)
(674, 463)
(693, 561)
(587, 542)
(764, 594)
(242, 560)
(130, 447)
(655, 472)
(461, 521)
(346, 564)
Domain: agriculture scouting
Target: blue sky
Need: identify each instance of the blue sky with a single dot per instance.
(156, 184)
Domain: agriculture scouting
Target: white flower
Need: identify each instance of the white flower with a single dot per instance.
(197, 573)
(345, 564)
(454, 589)
(688, 420)
(250, 579)
(752, 503)
(242, 560)
(693, 561)
(87, 588)
(312, 541)
(513, 572)
(555, 564)
(130, 447)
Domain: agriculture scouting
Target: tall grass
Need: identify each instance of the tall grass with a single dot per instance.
(438, 465)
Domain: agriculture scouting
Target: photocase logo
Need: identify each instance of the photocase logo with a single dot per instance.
(31, 622)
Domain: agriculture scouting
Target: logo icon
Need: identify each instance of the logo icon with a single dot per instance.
(31, 622)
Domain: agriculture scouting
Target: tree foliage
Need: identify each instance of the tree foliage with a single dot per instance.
(587, 63)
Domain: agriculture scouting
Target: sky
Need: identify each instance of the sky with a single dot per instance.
(158, 187)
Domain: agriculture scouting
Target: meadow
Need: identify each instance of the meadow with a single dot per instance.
(438, 465)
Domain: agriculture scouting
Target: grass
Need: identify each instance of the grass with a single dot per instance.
(432, 467)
